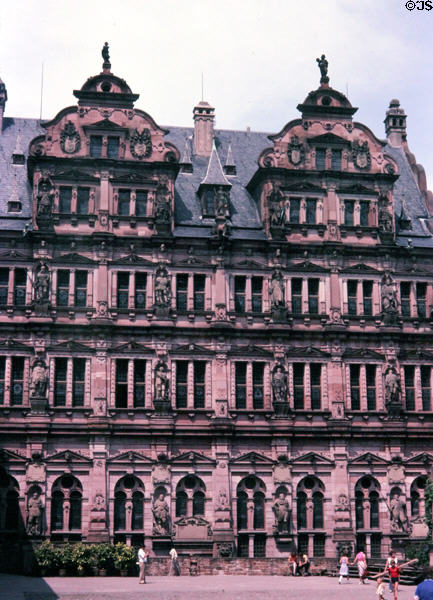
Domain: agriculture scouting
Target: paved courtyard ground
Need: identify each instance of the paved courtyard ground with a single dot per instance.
(218, 587)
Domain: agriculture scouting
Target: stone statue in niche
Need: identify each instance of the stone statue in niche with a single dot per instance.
(389, 300)
(399, 520)
(222, 503)
(222, 205)
(279, 384)
(45, 197)
(384, 216)
(282, 512)
(276, 290)
(323, 66)
(161, 516)
(392, 385)
(39, 380)
(41, 284)
(163, 202)
(162, 288)
(162, 383)
(277, 208)
(34, 514)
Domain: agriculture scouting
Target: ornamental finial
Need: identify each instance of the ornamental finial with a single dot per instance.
(323, 66)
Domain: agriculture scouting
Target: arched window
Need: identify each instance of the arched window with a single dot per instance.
(318, 510)
(259, 510)
(414, 504)
(309, 498)
(301, 506)
(367, 492)
(128, 504)
(251, 491)
(417, 497)
(190, 496)
(66, 500)
(242, 510)
(9, 502)
(359, 510)
(374, 509)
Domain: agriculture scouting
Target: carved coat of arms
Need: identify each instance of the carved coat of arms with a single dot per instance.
(70, 141)
(141, 144)
(295, 151)
(361, 155)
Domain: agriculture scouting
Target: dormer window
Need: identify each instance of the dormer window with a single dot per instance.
(96, 146)
(209, 203)
(14, 206)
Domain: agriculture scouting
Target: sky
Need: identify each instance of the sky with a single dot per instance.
(258, 58)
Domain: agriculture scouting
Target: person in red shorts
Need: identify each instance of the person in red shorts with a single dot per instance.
(394, 574)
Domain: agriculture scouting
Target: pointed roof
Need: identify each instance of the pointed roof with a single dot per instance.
(229, 160)
(186, 158)
(215, 174)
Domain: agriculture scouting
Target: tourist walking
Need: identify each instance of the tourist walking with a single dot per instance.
(361, 562)
(391, 556)
(424, 590)
(394, 574)
(293, 564)
(142, 560)
(174, 564)
(380, 590)
(344, 569)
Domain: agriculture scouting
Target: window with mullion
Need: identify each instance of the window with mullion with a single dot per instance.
(258, 389)
(421, 292)
(298, 385)
(367, 292)
(78, 381)
(426, 387)
(352, 289)
(370, 376)
(17, 384)
(310, 211)
(256, 294)
(121, 396)
(83, 201)
(141, 203)
(240, 284)
(80, 288)
(294, 210)
(140, 290)
(139, 383)
(181, 384)
(122, 289)
(182, 291)
(409, 384)
(20, 287)
(199, 291)
(62, 296)
(315, 386)
(355, 396)
(241, 384)
(2, 378)
(297, 295)
(313, 296)
(65, 200)
(4, 285)
(405, 298)
(60, 377)
(349, 210)
(123, 203)
(199, 383)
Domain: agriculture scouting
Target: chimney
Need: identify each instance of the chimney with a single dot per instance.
(3, 99)
(395, 124)
(204, 115)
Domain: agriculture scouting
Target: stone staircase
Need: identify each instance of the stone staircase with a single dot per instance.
(410, 575)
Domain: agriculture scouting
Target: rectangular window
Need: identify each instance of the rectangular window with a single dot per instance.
(240, 282)
(4, 285)
(297, 295)
(121, 383)
(319, 545)
(259, 546)
(139, 383)
(352, 290)
(336, 160)
(2, 378)
(83, 201)
(140, 290)
(370, 375)
(96, 146)
(313, 296)
(141, 203)
(303, 543)
(320, 159)
(355, 396)
(122, 289)
(199, 287)
(20, 287)
(367, 291)
(112, 147)
(295, 207)
(298, 386)
(60, 376)
(349, 208)
(241, 384)
(80, 288)
(363, 216)
(256, 294)
(124, 199)
(376, 545)
(258, 391)
(421, 292)
(62, 288)
(181, 292)
(310, 213)
(209, 203)
(78, 381)
(199, 383)
(65, 200)
(405, 298)
(243, 546)
(182, 384)
(426, 387)
(17, 383)
(409, 384)
(315, 387)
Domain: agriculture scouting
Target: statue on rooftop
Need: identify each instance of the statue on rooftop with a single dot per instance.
(323, 66)
(106, 52)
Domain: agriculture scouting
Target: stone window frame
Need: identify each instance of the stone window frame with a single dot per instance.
(417, 365)
(365, 493)
(192, 488)
(357, 200)
(148, 189)
(74, 199)
(8, 381)
(303, 199)
(131, 383)
(69, 398)
(190, 382)
(417, 496)
(137, 487)
(131, 290)
(360, 298)
(67, 491)
(310, 486)
(380, 400)
(72, 288)
(412, 301)
(11, 490)
(324, 404)
(267, 395)
(248, 293)
(190, 291)
(254, 490)
(305, 294)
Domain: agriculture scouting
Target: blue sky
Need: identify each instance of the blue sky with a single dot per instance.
(257, 56)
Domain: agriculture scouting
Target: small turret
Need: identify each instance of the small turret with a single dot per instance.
(204, 115)
(395, 123)
(3, 100)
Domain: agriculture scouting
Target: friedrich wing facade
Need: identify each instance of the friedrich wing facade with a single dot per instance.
(220, 340)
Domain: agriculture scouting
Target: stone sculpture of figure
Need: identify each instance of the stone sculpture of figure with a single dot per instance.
(276, 290)
(389, 297)
(399, 520)
(222, 499)
(277, 211)
(222, 203)
(279, 384)
(281, 509)
(39, 380)
(392, 385)
(323, 66)
(42, 284)
(161, 382)
(34, 515)
(385, 221)
(162, 202)
(161, 516)
(45, 197)
(105, 52)
(162, 288)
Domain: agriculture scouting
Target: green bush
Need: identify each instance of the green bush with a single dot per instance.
(66, 557)
(124, 557)
(104, 556)
(82, 555)
(47, 556)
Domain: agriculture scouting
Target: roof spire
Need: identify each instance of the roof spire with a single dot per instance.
(323, 66)
(106, 65)
(229, 166)
(215, 174)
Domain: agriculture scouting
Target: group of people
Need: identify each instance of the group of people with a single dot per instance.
(143, 556)
(299, 565)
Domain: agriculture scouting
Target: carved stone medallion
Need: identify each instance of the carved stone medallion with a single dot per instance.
(141, 144)
(70, 141)
(361, 155)
(295, 151)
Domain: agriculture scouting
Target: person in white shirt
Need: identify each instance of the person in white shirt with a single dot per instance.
(142, 560)
(174, 565)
